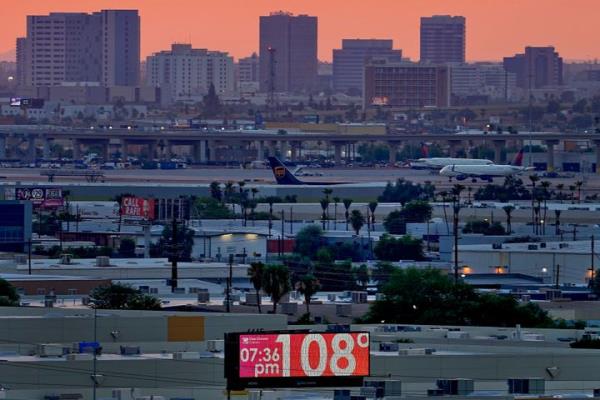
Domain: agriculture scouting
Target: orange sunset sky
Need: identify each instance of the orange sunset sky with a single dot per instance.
(495, 28)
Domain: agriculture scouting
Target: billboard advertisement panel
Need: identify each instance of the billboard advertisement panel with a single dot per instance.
(294, 359)
(137, 208)
(40, 196)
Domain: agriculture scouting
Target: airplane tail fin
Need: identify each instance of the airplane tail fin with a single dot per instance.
(282, 175)
(424, 150)
(518, 160)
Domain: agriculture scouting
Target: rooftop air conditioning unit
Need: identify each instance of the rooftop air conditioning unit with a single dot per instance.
(343, 310)
(50, 350)
(563, 245)
(186, 355)
(456, 387)
(532, 247)
(102, 261)
(385, 388)
(526, 385)
(359, 297)
(543, 245)
(215, 346)
(289, 308)
(388, 346)
(130, 350)
(496, 246)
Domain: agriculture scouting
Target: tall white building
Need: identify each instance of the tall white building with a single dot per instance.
(482, 79)
(187, 73)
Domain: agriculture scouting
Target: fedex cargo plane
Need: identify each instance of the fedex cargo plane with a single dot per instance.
(486, 172)
(283, 176)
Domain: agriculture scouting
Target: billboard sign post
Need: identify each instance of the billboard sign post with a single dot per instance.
(296, 359)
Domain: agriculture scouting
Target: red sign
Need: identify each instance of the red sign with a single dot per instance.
(136, 207)
(304, 355)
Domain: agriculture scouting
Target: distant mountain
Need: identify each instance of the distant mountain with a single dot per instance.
(9, 55)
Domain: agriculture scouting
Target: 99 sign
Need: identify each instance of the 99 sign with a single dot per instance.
(304, 355)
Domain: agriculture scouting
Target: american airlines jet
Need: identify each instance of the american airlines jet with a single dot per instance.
(486, 172)
(438, 163)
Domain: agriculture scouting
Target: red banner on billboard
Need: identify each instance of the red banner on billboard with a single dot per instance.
(304, 355)
(137, 207)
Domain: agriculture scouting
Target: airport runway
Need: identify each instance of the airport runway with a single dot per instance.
(264, 176)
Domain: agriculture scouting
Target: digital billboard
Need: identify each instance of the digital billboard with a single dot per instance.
(41, 197)
(137, 208)
(296, 359)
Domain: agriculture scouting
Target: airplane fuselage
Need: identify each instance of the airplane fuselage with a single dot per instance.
(441, 162)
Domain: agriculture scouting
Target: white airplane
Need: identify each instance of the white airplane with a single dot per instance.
(441, 162)
(486, 172)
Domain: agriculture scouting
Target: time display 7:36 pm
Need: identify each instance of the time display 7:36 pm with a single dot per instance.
(304, 355)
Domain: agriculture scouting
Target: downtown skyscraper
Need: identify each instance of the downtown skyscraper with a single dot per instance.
(443, 39)
(102, 47)
(288, 52)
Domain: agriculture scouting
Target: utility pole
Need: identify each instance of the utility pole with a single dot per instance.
(592, 261)
(174, 255)
(556, 283)
(455, 231)
(229, 279)
(271, 98)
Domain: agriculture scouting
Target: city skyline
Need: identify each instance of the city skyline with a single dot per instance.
(560, 24)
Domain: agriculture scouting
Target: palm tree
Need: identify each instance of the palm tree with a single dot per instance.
(215, 191)
(372, 207)
(307, 286)
(444, 197)
(254, 191)
(256, 273)
(276, 283)
(560, 188)
(347, 204)
(228, 191)
(336, 200)
(508, 210)
(357, 220)
(572, 189)
(324, 206)
(557, 222)
(579, 184)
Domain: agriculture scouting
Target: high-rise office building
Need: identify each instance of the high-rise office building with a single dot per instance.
(349, 61)
(120, 47)
(187, 73)
(536, 68)
(102, 47)
(288, 52)
(248, 68)
(406, 84)
(443, 39)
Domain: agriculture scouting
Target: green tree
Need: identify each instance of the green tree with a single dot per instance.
(309, 240)
(508, 210)
(361, 274)
(211, 208)
(357, 220)
(215, 191)
(127, 247)
(8, 294)
(257, 270)
(165, 248)
(308, 286)
(117, 296)
(276, 283)
(211, 102)
(431, 297)
(414, 211)
(347, 204)
(406, 247)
